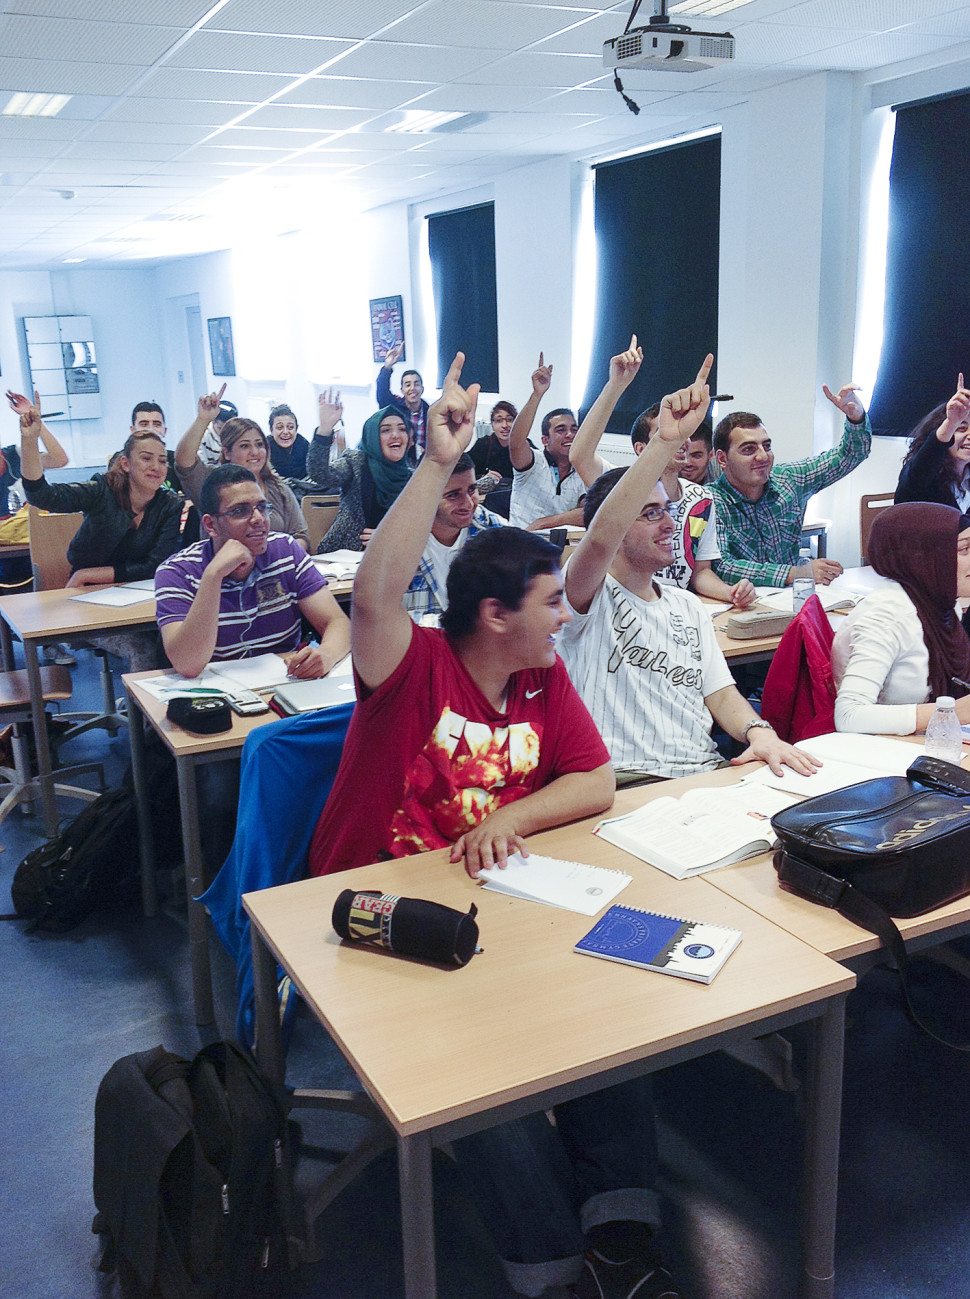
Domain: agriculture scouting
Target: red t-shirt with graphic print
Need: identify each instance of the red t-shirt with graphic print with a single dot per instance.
(427, 757)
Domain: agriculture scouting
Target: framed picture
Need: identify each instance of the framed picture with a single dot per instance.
(220, 346)
(387, 326)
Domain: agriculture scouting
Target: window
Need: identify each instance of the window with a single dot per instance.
(657, 220)
(461, 246)
(925, 343)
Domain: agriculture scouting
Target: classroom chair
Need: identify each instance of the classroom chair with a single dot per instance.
(868, 512)
(49, 537)
(16, 786)
(799, 693)
(319, 511)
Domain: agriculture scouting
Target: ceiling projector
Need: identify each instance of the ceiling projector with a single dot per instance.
(667, 47)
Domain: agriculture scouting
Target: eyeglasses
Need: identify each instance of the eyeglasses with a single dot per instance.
(242, 513)
(654, 513)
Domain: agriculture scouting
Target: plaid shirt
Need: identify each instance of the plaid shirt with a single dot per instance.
(424, 595)
(759, 539)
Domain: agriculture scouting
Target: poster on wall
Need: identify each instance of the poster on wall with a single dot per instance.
(387, 326)
(220, 346)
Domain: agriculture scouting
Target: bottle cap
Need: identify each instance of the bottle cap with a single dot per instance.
(945, 701)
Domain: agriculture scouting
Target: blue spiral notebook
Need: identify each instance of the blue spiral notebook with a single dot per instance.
(689, 949)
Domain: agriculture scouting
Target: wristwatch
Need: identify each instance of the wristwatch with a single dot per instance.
(758, 724)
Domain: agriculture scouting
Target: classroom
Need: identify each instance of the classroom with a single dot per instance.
(228, 198)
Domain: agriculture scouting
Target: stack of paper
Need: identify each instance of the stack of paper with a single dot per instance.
(339, 565)
(567, 884)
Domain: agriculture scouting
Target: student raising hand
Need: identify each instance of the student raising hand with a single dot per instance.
(681, 412)
(451, 420)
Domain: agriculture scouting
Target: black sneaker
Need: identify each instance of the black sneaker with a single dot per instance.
(622, 1262)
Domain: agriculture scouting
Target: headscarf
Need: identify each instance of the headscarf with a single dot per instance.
(915, 544)
(390, 477)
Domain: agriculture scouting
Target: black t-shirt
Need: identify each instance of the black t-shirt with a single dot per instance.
(289, 462)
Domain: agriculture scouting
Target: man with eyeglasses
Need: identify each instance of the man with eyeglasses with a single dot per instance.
(643, 656)
(243, 590)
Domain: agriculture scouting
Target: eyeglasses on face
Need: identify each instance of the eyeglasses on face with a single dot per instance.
(241, 513)
(654, 513)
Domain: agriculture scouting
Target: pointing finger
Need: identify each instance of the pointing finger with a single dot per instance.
(454, 373)
(705, 370)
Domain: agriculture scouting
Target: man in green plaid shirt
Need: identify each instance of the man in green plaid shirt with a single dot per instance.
(761, 506)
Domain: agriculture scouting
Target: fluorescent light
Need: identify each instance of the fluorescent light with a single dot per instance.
(702, 7)
(26, 103)
(419, 122)
(73, 261)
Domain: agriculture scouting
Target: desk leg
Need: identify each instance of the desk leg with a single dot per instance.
(146, 849)
(197, 916)
(6, 647)
(42, 748)
(269, 1042)
(417, 1215)
(823, 1121)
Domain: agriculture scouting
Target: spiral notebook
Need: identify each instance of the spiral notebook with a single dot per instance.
(689, 949)
(567, 884)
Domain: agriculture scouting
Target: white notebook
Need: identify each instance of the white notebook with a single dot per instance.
(570, 885)
(847, 759)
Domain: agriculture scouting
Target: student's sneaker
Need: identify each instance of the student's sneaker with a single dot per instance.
(59, 654)
(622, 1262)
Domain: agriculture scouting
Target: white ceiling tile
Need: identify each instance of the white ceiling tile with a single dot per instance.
(118, 132)
(225, 87)
(588, 37)
(187, 112)
(355, 92)
(286, 138)
(77, 41)
(532, 68)
(385, 60)
(772, 43)
(867, 15)
(177, 13)
(352, 19)
(874, 51)
(596, 100)
(952, 24)
(66, 78)
(495, 25)
(377, 142)
(10, 148)
(145, 150)
(305, 117)
(228, 51)
(235, 155)
(39, 128)
(481, 99)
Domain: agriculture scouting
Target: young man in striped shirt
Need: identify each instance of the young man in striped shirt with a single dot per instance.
(243, 590)
(643, 656)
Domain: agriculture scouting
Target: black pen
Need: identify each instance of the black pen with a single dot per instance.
(723, 396)
(958, 681)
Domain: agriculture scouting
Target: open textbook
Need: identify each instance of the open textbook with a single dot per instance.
(846, 760)
(703, 829)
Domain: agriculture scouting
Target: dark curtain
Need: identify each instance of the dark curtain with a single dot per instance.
(925, 343)
(462, 248)
(658, 236)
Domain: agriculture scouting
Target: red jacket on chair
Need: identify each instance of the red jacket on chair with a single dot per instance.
(799, 693)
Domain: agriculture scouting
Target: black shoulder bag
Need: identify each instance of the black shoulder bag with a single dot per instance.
(893, 846)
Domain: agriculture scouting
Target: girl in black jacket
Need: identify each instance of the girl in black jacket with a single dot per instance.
(937, 464)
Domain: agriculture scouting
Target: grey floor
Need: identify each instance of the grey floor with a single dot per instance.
(72, 1004)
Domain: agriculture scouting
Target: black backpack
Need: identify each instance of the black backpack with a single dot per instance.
(188, 1176)
(93, 863)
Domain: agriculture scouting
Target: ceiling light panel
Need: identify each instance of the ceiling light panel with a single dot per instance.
(225, 51)
(701, 8)
(417, 121)
(350, 19)
(26, 103)
(76, 40)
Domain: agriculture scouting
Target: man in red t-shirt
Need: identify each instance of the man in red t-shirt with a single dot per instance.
(474, 736)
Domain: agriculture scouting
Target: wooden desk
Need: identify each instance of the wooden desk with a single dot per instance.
(529, 1024)
(190, 752)
(37, 616)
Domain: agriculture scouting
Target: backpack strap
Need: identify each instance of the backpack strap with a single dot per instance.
(830, 891)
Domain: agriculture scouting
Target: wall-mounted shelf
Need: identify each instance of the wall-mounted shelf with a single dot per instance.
(63, 366)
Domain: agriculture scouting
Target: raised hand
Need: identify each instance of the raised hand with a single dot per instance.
(957, 411)
(451, 420)
(681, 412)
(209, 404)
(850, 405)
(29, 414)
(625, 366)
(541, 377)
(393, 355)
(330, 411)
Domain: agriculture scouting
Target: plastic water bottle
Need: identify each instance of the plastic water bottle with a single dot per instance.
(803, 586)
(944, 739)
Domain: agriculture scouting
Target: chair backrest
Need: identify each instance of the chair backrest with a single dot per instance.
(868, 507)
(319, 512)
(50, 535)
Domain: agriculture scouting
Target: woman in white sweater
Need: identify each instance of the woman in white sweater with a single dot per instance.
(904, 645)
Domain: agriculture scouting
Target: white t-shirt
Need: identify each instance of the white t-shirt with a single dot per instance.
(881, 665)
(643, 669)
(695, 533)
(441, 558)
